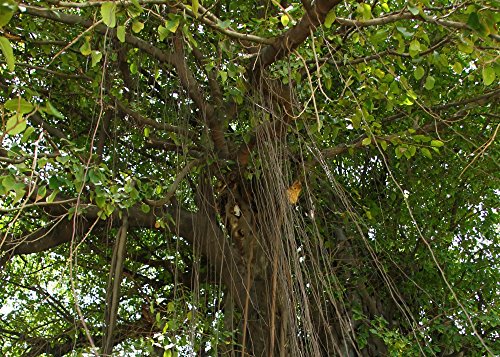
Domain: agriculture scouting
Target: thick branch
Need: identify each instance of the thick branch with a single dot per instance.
(70, 19)
(173, 188)
(294, 37)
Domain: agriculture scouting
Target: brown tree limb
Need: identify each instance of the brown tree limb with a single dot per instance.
(191, 85)
(173, 188)
(294, 37)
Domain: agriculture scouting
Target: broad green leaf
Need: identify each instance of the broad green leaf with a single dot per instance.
(400, 150)
(27, 133)
(7, 10)
(85, 49)
(465, 46)
(16, 124)
(42, 191)
(137, 26)
(170, 307)
(426, 153)
(8, 183)
(8, 53)
(172, 25)
(413, 9)
(146, 132)
(96, 57)
(145, 208)
(133, 68)
(366, 141)
(429, 82)
(163, 32)
(405, 32)
(356, 121)
(330, 18)
(50, 109)
(474, 23)
(19, 105)
(285, 20)
(415, 48)
(195, 4)
(19, 195)
(224, 24)
(383, 144)
(120, 33)
(437, 143)
(419, 73)
(488, 75)
(457, 67)
(364, 10)
(108, 13)
(412, 150)
(136, 4)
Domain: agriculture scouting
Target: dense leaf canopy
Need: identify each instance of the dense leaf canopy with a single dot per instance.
(249, 178)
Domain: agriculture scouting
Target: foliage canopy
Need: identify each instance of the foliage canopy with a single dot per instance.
(249, 177)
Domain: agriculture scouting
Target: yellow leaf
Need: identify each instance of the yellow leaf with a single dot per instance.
(293, 192)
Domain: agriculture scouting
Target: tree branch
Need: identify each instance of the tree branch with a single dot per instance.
(291, 39)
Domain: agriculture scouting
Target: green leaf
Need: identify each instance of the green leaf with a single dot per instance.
(145, 208)
(52, 196)
(50, 109)
(412, 150)
(366, 141)
(96, 57)
(16, 124)
(85, 49)
(133, 68)
(426, 153)
(108, 13)
(137, 26)
(27, 133)
(405, 32)
(400, 150)
(172, 25)
(473, 22)
(146, 132)
(120, 33)
(19, 105)
(465, 46)
(356, 121)
(457, 67)
(137, 5)
(8, 183)
(365, 11)
(488, 75)
(195, 4)
(163, 32)
(42, 191)
(413, 9)
(415, 48)
(7, 10)
(429, 82)
(19, 195)
(8, 53)
(383, 144)
(285, 20)
(330, 18)
(437, 143)
(419, 73)
(223, 76)
(224, 24)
